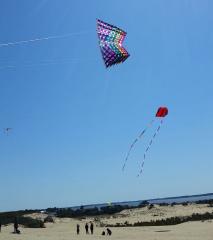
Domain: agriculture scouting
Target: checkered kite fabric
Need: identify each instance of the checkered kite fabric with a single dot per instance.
(110, 41)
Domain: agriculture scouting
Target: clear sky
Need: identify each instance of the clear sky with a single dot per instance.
(73, 120)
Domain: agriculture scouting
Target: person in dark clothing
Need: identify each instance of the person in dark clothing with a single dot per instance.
(87, 228)
(78, 228)
(91, 227)
(109, 232)
(16, 226)
(103, 233)
(0, 226)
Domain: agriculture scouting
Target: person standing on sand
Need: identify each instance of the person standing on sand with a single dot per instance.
(87, 228)
(91, 227)
(109, 232)
(78, 229)
(0, 225)
(15, 225)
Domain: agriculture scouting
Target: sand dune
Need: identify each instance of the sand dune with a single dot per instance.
(158, 212)
(65, 229)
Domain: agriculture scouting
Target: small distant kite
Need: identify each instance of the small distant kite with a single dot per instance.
(7, 130)
(161, 113)
(110, 40)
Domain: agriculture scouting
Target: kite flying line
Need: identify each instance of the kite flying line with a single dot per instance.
(110, 42)
(49, 62)
(42, 39)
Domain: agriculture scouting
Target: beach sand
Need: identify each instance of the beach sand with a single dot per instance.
(65, 229)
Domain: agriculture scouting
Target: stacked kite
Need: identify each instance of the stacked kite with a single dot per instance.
(110, 41)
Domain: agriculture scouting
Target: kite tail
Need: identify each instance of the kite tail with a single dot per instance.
(148, 147)
(135, 141)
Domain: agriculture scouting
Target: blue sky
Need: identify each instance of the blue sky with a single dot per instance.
(73, 120)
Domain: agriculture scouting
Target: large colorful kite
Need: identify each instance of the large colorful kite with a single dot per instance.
(160, 114)
(110, 40)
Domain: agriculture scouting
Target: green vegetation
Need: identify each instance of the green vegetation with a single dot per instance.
(8, 218)
(69, 212)
(49, 219)
(168, 221)
(30, 222)
(210, 202)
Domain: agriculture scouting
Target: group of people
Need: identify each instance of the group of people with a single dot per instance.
(91, 227)
(87, 227)
(109, 232)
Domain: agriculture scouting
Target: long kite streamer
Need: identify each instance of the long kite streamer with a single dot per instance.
(161, 113)
(110, 40)
(149, 146)
(134, 142)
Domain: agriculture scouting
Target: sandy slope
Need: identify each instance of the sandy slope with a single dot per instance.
(158, 212)
(64, 229)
